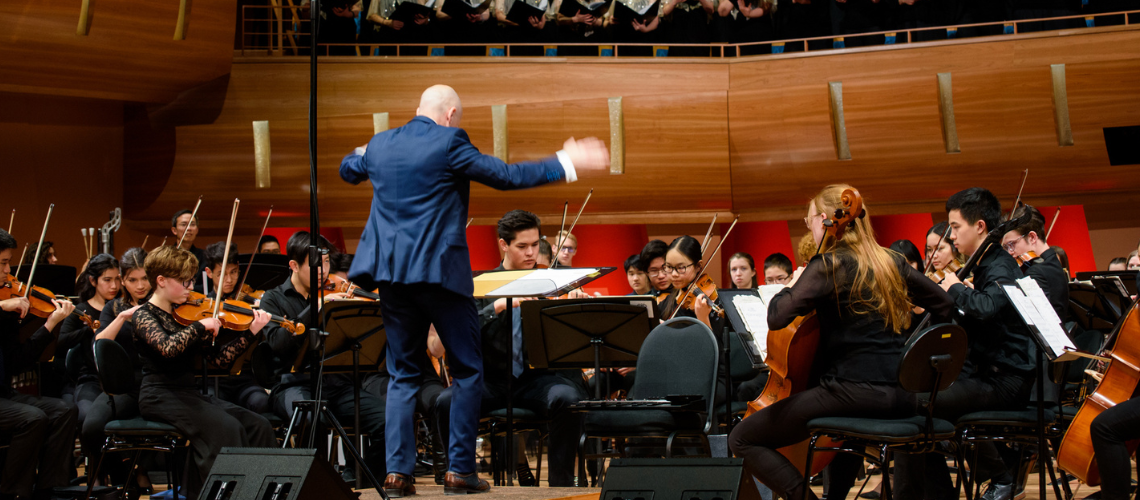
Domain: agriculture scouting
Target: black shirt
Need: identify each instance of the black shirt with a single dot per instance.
(126, 335)
(1046, 271)
(287, 302)
(999, 339)
(168, 348)
(15, 356)
(854, 344)
(73, 332)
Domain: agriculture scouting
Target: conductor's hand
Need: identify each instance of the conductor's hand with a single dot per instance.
(260, 319)
(587, 155)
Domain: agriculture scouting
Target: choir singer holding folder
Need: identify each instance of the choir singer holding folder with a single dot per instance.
(414, 249)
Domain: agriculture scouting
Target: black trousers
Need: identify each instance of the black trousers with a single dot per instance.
(244, 391)
(42, 433)
(546, 394)
(208, 422)
(92, 435)
(927, 476)
(1109, 431)
(757, 438)
(338, 392)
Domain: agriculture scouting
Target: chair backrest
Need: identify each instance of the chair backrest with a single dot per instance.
(73, 362)
(679, 357)
(116, 372)
(933, 358)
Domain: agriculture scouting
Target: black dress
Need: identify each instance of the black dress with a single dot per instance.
(169, 394)
(857, 360)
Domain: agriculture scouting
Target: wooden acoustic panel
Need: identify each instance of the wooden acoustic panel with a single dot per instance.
(128, 53)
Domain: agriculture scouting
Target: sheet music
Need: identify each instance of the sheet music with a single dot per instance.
(1030, 301)
(538, 281)
(754, 312)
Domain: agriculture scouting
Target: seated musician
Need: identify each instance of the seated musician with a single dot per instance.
(1002, 352)
(860, 292)
(168, 392)
(541, 391)
(41, 430)
(545, 253)
(682, 262)
(638, 280)
(909, 252)
(946, 257)
(290, 300)
(185, 222)
(1045, 268)
(97, 284)
(242, 389)
(806, 249)
(742, 270)
(269, 244)
(117, 325)
(568, 249)
(1109, 432)
(778, 269)
(1118, 264)
(652, 261)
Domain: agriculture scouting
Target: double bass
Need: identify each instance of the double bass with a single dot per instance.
(791, 350)
(1119, 383)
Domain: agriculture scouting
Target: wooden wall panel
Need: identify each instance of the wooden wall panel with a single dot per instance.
(129, 53)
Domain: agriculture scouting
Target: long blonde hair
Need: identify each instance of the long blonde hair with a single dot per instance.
(877, 272)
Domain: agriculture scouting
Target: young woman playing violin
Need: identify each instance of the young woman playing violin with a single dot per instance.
(42, 428)
(168, 392)
(682, 260)
(98, 284)
(942, 251)
(859, 291)
(117, 326)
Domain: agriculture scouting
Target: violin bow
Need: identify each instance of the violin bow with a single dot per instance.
(39, 246)
(249, 265)
(11, 221)
(161, 244)
(689, 289)
(218, 298)
(930, 258)
(143, 246)
(469, 221)
(562, 239)
(21, 263)
(194, 217)
(705, 242)
(555, 249)
(1054, 223)
(1017, 201)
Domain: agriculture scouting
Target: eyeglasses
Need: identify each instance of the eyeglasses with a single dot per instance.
(656, 272)
(185, 283)
(1009, 245)
(776, 280)
(570, 249)
(676, 269)
(807, 220)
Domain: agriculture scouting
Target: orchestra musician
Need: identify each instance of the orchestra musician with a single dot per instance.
(414, 250)
(242, 389)
(859, 291)
(778, 269)
(638, 280)
(168, 392)
(742, 270)
(1001, 351)
(1026, 243)
(41, 429)
(652, 261)
(942, 251)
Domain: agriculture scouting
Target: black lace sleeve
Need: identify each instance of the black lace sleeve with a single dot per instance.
(224, 355)
(164, 335)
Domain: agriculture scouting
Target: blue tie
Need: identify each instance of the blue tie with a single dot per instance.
(517, 339)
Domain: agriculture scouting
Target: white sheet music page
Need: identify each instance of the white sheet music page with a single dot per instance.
(1046, 319)
(753, 311)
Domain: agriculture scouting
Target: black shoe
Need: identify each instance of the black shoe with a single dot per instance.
(870, 495)
(1002, 491)
(525, 477)
(456, 484)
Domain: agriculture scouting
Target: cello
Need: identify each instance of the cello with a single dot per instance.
(1119, 383)
(791, 350)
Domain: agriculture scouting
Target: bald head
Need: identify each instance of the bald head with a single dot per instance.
(441, 104)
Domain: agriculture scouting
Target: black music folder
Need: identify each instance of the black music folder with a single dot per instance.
(521, 11)
(461, 8)
(571, 8)
(406, 12)
(643, 14)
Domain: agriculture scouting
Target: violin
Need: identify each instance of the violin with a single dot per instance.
(791, 350)
(705, 287)
(351, 290)
(937, 275)
(40, 301)
(248, 294)
(1026, 259)
(233, 314)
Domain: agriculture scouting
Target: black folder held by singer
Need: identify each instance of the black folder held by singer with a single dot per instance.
(571, 8)
(406, 11)
(461, 8)
(522, 10)
(641, 11)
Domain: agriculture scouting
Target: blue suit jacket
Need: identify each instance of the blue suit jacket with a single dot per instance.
(421, 177)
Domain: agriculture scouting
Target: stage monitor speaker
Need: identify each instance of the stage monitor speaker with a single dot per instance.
(273, 474)
(678, 479)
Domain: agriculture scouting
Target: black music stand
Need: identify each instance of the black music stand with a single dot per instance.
(522, 283)
(354, 338)
(1090, 309)
(268, 271)
(738, 325)
(1128, 278)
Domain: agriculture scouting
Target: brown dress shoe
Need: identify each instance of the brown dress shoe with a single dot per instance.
(397, 485)
(462, 484)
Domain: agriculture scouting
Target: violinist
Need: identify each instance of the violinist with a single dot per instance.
(1001, 351)
(98, 284)
(805, 249)
(682, 260)
(909, 252)
(545, 254)
(1026, 243)
(186, 222)
(42, 429)
(339, 264)
(862, 294)
(568, 249)
(47, 255)
(541, 391)
(742, 270)
(118, 326)
(242, 389)
(291, 301)
(168, 349)
(941, 250)
(269, 244)
(652, 261)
